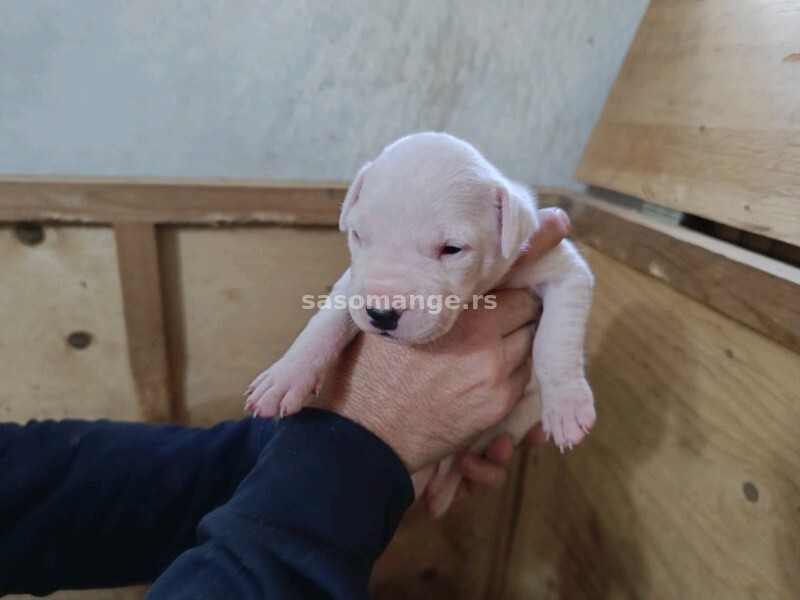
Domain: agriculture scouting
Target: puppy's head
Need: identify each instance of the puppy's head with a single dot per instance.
(430, 223)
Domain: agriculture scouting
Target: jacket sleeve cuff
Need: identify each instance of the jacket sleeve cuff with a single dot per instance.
(319, 507)
(355, 488)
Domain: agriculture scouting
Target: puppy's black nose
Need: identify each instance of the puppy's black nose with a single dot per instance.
(385, 319)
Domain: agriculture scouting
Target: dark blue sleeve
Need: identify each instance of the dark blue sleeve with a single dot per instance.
(309, 520)
(100, 504)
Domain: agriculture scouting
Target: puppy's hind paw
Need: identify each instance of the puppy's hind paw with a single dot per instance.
(568, 413)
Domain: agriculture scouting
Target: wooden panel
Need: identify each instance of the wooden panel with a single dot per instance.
(64, 285)
(460, 556)
(169, 201)
(128, 593)
(689, 486)
(237, 302)
(140, 274)
(758, 291)
(704, 117)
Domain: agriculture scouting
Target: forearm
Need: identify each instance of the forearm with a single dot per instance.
(99, 504)
(310, 520)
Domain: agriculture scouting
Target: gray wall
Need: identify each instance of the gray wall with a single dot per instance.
(300, 89)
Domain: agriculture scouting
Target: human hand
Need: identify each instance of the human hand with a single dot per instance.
(489, 470)
(428, 401)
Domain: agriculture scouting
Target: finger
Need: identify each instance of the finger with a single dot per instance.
(554, 225)
(515, 308)
(500, 450)
(482, 472)
(517, 347)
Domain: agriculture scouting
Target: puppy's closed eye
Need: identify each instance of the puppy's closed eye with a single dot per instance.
(451, 249)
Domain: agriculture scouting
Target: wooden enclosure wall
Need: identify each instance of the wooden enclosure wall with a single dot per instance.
(235, 305)
(688, 488)
(690, 485)
(66, 285)
(703, 117)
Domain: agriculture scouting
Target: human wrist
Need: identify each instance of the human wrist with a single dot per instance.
(375, 414)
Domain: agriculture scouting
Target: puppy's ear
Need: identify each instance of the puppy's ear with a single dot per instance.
(518, 218)
(352, 195)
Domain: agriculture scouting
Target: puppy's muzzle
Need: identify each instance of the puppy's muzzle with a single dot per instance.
(385, 319)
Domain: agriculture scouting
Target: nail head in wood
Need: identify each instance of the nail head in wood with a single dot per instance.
(30, 233)
(750, 491)
(79, 339)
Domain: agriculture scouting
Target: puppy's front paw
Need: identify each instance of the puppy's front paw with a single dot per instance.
(282, 389)
(568, 412)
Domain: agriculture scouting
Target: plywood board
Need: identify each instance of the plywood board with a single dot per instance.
(460, 556)
(689, 486)
(88, 200)
(128, 593)
(704, 116)
(140, 275)
(757, 291)
(67, 284)
(236, 305)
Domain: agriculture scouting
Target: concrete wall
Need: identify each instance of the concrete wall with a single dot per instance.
(300, 89)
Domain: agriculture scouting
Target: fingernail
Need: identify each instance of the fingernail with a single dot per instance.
(563, 218)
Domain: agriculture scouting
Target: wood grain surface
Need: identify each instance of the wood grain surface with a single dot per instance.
(689, 486)
(704, 116)
(758, 291)
(63, 350)
(143, 305)
(211, 202)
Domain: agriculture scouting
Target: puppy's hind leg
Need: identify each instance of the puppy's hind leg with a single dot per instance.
(564, 282)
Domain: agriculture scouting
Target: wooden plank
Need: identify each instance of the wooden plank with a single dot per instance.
(460, 556)
(688, 487)
(760, 292)
(684, 128)
(240, 292)
(62, 339)
(127, 593)
(169, 201)
(140, 279)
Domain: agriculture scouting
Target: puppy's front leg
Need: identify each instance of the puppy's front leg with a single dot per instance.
(564, 282)
(286, 385)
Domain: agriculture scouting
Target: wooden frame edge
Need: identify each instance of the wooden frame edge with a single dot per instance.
(759, 292)
(143, 307)
(213, 202)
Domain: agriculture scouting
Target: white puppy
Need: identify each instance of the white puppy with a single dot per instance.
(432, 218)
